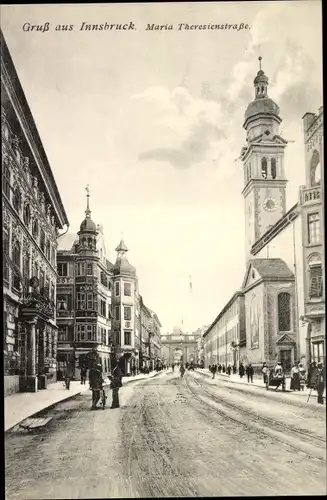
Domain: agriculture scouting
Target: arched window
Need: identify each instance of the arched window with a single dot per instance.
(249, 171)
(315, 169)
(35, 228)
(6, 180)
(27, 214)
(273, 168)
(26, 271)
(284, 312)
(264, 168)
(17, 201)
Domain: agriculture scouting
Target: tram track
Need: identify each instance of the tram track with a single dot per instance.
(269, 420)
(281, 432)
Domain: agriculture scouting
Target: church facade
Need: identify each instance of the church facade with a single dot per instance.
(283, 287)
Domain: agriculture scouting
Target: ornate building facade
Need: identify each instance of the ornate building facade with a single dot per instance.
(33, 214)
(84, 289)
(312, 215)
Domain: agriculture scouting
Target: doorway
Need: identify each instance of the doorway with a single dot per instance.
(286, 359)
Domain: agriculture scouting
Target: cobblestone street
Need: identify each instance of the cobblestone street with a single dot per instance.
(172, 437)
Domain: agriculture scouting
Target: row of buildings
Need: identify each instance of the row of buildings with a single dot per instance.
(279, 311)
(59, 306)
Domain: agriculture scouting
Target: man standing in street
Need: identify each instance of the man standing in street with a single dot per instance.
(96, 382)
(83, 374)
(249, 371)
(116, 384)
(320, 383)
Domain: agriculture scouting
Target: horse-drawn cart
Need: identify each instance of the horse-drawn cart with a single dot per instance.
(275, 380)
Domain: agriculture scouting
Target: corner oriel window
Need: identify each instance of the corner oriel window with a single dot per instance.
(127, 338)
(127, 314)
(127, 289)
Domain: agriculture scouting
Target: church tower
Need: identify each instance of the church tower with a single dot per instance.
(263, 164)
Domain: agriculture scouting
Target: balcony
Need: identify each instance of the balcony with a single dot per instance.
(64, 314)
(310, 196)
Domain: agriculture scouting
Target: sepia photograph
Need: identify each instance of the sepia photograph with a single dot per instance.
(163, 249)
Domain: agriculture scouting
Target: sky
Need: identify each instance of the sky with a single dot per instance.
(152, 121)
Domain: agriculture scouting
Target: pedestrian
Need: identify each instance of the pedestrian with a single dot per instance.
(96, 383)
(173, 367)
(234, 369)
(224, 369)
(134, 370)
(83, 374)
(249, 372)
(265, 371)
(241, 370)
(116, 384)
(295, 378)
(214, 371)
(320, 383)
(228, 370)
(279, 374)
(182, 370)
(312, 375)
(68, 375)
(302, 375)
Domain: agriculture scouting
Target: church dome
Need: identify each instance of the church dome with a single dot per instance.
(88, 225)
(265, 105)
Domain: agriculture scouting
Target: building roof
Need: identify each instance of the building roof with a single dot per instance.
(222, 312)
(271, 268)
(122, 266)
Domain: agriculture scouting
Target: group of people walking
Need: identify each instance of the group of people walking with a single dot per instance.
(222, 369)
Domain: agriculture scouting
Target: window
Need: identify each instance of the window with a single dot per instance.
(127, 338)
(89, 332)
(17, 201)
(89, 270)
(117, 313)
(249, 171)
(62, 269)
(315, 169)
(90, 301)
(5, 243)
(35, 228)
(117, 289)
(80, 300)
(264, 168)
(62, 303)
(27, 214)
(6, 180)
(26, 271)
(273, 168)
(103, 309)
(127, 313)
(103, 336)
(52, 292)
(80, 332)
(42, 279)
(284, 312)
(63, 334)
(315, 274)
(127, 289)
(16, 260)
(42, 240)
(313, 228)
(80, 269)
